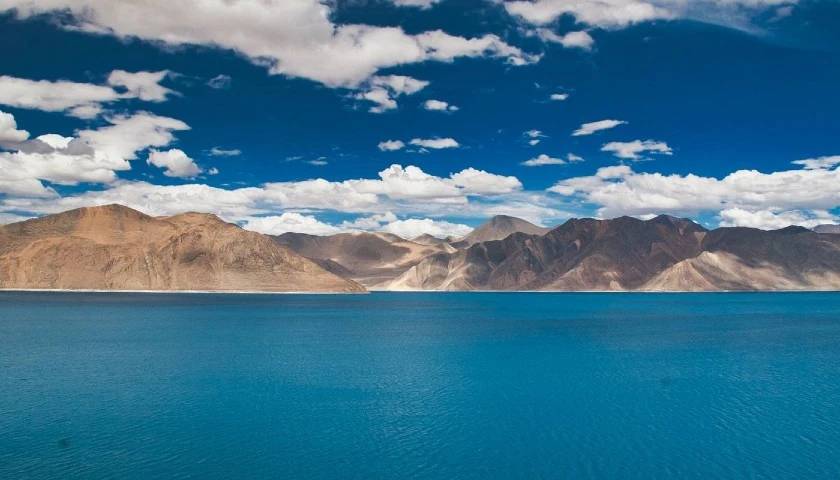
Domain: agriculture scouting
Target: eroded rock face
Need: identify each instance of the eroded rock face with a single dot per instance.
(664, 254)
(115, 247)
(368, 258)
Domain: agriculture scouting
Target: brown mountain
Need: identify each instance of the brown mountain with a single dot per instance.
(115, 247)
(581, 254)
(792, 258)
(430, 240)
(625, 253)
(498, 228)
(368, 258)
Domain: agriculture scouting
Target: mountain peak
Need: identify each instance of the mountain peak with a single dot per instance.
(500, 227)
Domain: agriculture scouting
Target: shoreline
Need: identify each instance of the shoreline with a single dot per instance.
(367, 292)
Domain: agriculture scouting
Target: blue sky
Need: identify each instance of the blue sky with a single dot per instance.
(324, 116)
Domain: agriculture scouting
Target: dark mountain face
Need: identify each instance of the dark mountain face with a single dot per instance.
(581, 254)
(600, 254)
(794, 249)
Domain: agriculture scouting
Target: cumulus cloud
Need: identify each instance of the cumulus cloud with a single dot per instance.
(414, 227)
(408, 190)
(580, 39)
(619, 190)
(382, 91)
(295, 38)
(634, 150)
(290, 222)
(142, 85)
(543, 159)
(82, 100)
(559, 97)
(621, 13)
(175, 163)
(91, 156)
(592, 127)
(391, 145)
(435, 143)
(9, 133)
(439, 106)
(773, 219)
(819, 162)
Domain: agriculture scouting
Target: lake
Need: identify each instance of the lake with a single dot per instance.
(419, 386)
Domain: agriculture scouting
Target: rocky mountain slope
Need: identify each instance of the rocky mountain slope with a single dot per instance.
(368, 258)
(115, 247)
(625, 253)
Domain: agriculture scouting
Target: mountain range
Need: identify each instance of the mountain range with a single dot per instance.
(115, 247)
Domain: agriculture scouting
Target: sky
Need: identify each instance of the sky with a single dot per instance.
(423, 116)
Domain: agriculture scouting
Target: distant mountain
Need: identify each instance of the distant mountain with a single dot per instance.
(664, 253)
(498, 228)
(827, 228)
(115, 247)
(368, 258)
(430, 240)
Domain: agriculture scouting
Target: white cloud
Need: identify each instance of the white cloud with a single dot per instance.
(9, 133)
(383, 90)
(414, 227)
(572, 158)
(372, 222)
(773, 219)
(439, 106)
(601, 13)
(819, 162)
(319, 162)
(580, 39)
(422, 4)
(619, 190)
(435, 143)
(143, 85)
(592, 127)
(559, 97)
(633, 150)
(92, 156)
(224, 152)
(82, 100)
(295, 38)
(175, 163)
(391, 145)
(543, 159)
(479, 182)
(534, 136)
(621, 13)
(290, 222)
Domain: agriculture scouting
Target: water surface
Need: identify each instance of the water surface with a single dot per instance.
(419, 385)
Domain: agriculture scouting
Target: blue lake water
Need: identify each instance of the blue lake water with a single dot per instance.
(419, 385)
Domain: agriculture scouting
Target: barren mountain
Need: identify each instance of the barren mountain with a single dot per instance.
(581, 254)
(625, 253)
(430, 240)
(499, 227)
(792, 258)
(368, 258)
(115, 247)
(828, 228)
